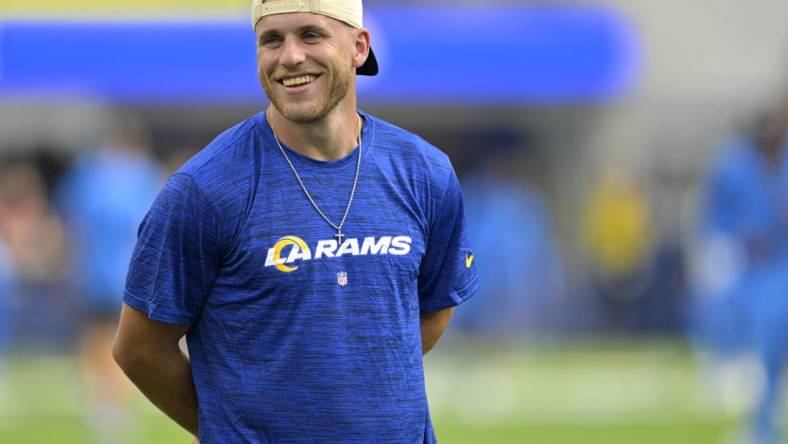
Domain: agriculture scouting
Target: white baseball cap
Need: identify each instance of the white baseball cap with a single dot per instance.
(346, 11)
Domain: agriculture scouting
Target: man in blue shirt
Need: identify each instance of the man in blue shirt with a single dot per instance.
(311, 254)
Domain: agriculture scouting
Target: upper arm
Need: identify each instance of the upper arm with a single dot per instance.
(178, 255)
(139, 337)
(447, 275)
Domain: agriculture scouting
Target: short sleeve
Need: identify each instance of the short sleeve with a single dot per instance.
(177, 256)
(448, 275)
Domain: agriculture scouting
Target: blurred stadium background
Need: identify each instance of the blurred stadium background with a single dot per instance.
(581, 130)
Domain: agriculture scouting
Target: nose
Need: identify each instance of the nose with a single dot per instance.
(292, 53)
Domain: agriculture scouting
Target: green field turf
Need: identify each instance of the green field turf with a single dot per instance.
(638, 393)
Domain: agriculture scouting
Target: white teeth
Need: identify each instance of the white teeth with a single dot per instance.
(301, 80)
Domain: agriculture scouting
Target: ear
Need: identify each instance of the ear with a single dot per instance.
(361, 47)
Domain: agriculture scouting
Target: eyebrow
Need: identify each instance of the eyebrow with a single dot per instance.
(300, 30)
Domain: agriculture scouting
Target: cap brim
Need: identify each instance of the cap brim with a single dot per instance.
(370, 67)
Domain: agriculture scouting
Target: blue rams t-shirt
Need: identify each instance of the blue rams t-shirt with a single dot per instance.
(294, 337)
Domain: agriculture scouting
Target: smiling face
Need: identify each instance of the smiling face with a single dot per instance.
(306, 63)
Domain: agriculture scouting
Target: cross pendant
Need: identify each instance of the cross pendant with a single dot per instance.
(339, 236)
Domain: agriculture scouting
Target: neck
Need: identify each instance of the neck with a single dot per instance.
(330, 138)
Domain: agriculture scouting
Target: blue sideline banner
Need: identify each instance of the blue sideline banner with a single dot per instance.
(457, 55)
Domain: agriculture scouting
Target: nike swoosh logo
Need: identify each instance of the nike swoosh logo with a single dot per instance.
(468, 260)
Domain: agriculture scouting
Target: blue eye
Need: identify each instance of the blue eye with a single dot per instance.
(270, 40)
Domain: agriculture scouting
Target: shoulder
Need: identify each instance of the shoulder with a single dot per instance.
(227, 154)
(228, 168)
(403, 143)
(226, 173)
(421, 171)
(402, 149)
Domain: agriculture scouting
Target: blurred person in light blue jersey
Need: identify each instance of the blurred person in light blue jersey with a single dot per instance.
(741, 276)
(511, 231)
(103, 198)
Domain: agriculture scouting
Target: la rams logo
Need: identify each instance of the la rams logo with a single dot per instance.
(298, 251)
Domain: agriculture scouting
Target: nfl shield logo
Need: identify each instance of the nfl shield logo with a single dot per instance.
(342, 278)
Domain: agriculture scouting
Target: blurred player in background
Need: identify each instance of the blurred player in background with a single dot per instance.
(34, 238)
(103, 198)
(31, 249)
(312, 254)
(742, 277)
(8, 294)
(617, 228)
(510, 226)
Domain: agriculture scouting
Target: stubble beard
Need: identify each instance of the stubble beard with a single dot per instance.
(338, 86)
